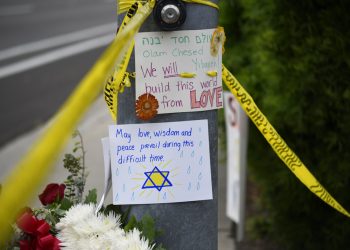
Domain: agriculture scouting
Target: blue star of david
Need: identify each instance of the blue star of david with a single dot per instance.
(157, 179)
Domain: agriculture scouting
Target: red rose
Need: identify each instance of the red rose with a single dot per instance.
(37, 232)
(53, 192)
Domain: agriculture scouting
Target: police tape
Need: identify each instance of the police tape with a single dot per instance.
(281, 148)
(120, 78)
(35, 165)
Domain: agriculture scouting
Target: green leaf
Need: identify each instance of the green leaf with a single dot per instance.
(112, 208)
(148, 227)
(60, 212)
(51, 219)
(131, 224)
(91, 197)
(66, 204)
(125, 216)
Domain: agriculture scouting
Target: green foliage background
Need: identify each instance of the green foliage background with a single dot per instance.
(294, 59)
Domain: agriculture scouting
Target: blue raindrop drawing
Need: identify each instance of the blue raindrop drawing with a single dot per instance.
(198, 186)
(200, 176)
(189, 186)
(124, 188)
(201, 161)
(129, 170)
(116, 197)
(192, 154)
(117, 172)
(182, 154)
(133, 196)
(200, 143)
(200, 129)
(189, 170)
(164, 196)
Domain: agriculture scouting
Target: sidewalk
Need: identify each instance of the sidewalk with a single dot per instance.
(93, 128)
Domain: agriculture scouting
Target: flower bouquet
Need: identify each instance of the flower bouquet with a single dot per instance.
(67, 221)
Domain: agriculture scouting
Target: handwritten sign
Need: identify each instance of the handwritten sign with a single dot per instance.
(163, 57)
(160, 162)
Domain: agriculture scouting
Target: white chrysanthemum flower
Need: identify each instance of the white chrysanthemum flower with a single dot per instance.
(82, 229)
(136, 241)
(77, 213)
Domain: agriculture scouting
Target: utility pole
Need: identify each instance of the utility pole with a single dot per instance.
(186, 225)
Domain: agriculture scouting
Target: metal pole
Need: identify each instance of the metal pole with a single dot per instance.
(187, 225)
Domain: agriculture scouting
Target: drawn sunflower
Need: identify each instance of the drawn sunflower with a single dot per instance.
(146, 106)
(217, 39)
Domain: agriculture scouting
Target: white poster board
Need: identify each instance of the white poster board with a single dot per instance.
(161, 58)
(160, 162)
(237, 136)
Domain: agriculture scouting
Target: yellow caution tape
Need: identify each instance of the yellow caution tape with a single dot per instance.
(111, 89)
(33, 168)
(277, 143)
(204, 2)
(124, 5)
(110, 96)
(120, 78)
(125, 82)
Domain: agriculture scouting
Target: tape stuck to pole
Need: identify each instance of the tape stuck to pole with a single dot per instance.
(120, 77)
(187, 75)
